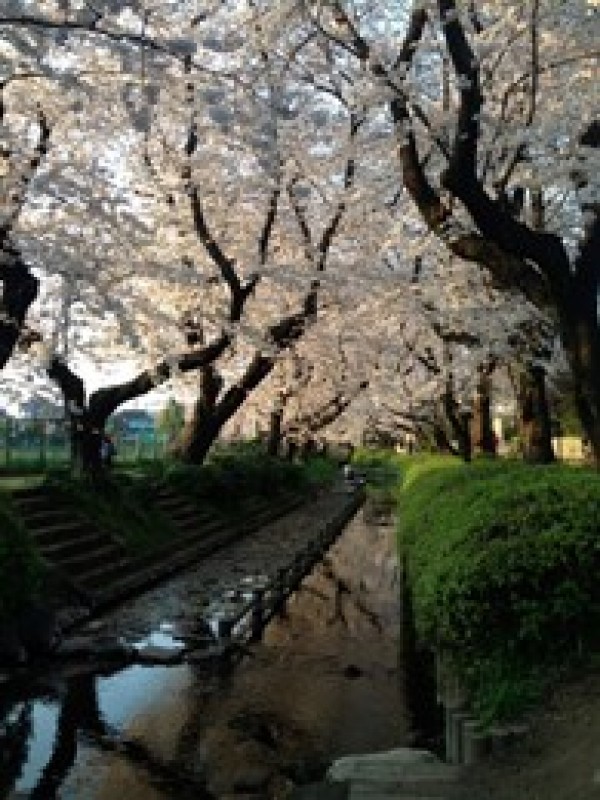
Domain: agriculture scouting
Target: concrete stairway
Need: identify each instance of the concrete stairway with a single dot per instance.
(97, 567)
(71, 545)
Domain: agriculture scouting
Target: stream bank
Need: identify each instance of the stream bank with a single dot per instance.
(325, 681)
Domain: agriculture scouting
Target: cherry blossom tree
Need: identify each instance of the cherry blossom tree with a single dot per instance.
(221, 175)
(486, 99)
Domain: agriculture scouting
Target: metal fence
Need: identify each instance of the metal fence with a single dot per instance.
(41, 443)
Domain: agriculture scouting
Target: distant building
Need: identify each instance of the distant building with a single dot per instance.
(134, 424)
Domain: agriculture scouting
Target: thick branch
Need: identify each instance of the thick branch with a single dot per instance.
(19, 290)
(226, 266)
(464, 154)
(265, 236)
(17, 194)
(19, 286)
(495, 224)
(104, 401)
(587, 265)
(334, 223)
(70, 384)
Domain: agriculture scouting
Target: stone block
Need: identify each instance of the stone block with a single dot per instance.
(383, 765)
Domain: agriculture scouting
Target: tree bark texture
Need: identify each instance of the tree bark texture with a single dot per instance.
(534, 417)
(482, 432)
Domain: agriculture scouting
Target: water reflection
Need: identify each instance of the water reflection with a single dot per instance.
(15, 732)
(79, 712)
(40, 739)
(331, 661)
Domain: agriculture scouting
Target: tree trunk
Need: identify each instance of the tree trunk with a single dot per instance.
(274, 435)
(460, 422)
(206, 426)
(441, 440)
(291, 449)
(482, 432)
(86, 427)
(199, 432)
(464, 436)
(86, 446)
(534, 417)
(581, 340)
(19, 291)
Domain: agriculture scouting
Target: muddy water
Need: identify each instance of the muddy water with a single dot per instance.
(325, 681)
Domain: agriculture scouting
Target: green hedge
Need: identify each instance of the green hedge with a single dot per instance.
(503, 562)
(245, 470)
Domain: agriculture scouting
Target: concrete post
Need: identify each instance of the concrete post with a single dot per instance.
(257, 617)
(476, 744)
(224, 629)
(280, 587)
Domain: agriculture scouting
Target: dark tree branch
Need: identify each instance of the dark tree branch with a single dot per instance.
(462, 337)
(19, 286)
(70, 384)
(225, 265)
(265, 236)
(464, 153)
(495, 224)
(18, 193)
(105, 401)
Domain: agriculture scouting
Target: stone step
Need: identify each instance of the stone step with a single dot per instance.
(268, 515)
(403, 774)
(195, 534)
(34, 515)
(255, 503)
(72, 547)
(184, 515)
(61, 532)
(107, 553)
(34, 499)
(379, 792)
(121, 587)
(101, 578)
(170, 502)
(150, 569)
(100, 569)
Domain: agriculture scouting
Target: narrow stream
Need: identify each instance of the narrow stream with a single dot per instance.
(325, 681)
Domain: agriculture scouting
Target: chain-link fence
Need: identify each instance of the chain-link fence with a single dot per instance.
(41, 443)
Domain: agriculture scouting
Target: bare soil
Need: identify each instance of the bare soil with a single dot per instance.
(559, 759)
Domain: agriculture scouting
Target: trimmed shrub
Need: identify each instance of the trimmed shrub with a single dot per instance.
(502, 562)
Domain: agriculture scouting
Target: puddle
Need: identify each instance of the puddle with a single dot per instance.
(43, 739)
(165, 638)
